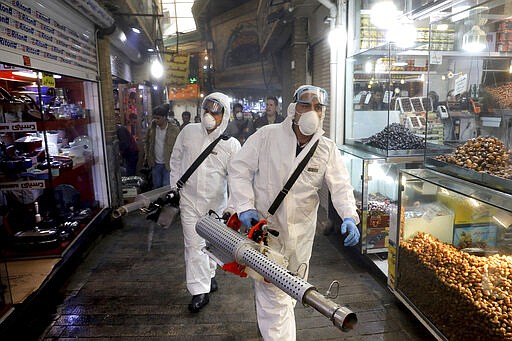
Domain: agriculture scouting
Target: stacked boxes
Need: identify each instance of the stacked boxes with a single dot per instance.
(504, 36)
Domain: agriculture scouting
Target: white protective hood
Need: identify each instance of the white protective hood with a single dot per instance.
(224, 100)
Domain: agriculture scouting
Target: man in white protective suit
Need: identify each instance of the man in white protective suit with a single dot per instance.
(257, 174)
(205, 189)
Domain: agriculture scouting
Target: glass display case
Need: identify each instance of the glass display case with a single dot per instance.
(374, 179)
(387, 102)
(471, 88)
(51, 170)
(454, 256)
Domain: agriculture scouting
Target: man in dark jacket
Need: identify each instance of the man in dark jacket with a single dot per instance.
(240, 127)
(271, 114)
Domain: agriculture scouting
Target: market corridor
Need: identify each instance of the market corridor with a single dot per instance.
(130, 286)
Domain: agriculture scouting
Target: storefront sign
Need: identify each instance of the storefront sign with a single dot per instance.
(18, 127)
(25, 30)
(17, 185)
(191, 91)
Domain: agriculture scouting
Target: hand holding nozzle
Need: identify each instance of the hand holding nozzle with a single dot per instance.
(153, 210)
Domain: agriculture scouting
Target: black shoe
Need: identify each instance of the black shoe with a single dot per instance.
(198, 302)
(213, 285)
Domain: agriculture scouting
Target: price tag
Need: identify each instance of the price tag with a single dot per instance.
(461, 84)
(386, 97)
(368, 97)
(48, 80)
(436, 58)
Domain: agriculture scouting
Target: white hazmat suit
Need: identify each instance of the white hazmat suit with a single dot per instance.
(205, 189)
(256, 175)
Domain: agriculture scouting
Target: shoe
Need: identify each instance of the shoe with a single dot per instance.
(198, 302)
(213, 285)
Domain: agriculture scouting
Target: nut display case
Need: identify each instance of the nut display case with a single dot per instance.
(471, 89)
(454, 256)
(374, 179)
(387, 102)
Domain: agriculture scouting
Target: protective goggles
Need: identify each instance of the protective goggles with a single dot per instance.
(213, 106)
(306, 94)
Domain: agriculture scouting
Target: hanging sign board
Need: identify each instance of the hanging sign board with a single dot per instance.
(176, 69)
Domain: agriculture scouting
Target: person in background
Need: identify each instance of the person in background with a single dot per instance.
(205, 190)
(174, 119)
(185, 116)
(241, 127)
(128, 149)
(158, 145)
(197, 118)
(271, 115)
(258, 173)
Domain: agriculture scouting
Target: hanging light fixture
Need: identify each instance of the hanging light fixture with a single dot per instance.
(157, 69)
(475, 40)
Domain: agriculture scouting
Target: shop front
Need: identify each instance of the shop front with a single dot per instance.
(52, 166)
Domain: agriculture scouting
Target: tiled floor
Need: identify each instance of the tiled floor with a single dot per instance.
(131, 286)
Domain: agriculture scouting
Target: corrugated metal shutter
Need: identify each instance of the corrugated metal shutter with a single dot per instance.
(321, 73)
(321, 76)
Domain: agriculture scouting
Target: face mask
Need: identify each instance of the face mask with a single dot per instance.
(239, 115)
(308, 123)
(208, 121)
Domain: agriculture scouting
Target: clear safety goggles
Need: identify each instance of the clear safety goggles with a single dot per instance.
(306, 94)
(213, 106)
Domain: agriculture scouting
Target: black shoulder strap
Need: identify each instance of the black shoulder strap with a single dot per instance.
(198, 161)
(280, 196)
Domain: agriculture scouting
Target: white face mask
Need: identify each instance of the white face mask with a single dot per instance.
(208, 121)
(308, 123)
(239, 115)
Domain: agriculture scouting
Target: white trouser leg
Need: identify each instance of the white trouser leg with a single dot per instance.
(199, 268)
(274, 308)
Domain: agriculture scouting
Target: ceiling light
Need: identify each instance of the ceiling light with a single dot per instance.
(403, 34)
(383, 14)
(25, 74)
(475, 40)
(336, 37)
(157, 69)
(150, 50)
(136, 30)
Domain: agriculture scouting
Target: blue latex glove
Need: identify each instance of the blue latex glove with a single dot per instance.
(246, 217)
(349, 225)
